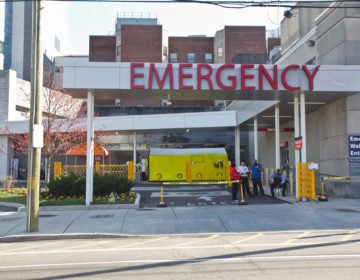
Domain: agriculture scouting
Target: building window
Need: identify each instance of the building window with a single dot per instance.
(208, 58)
(173, 57)
(220, 52)
(118, 50)
(191, 57)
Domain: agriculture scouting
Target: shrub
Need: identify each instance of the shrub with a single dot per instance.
(68, 185)
(75, 185)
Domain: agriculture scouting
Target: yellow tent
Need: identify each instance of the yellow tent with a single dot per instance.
(204, 164)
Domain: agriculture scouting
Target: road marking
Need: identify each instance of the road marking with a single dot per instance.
(87, 245)
(348, 235)
(141, 243)
(191, 194)
(298, 237)
(247, 238)
(196, 241)
(169, 188)
(212, 260)
(40, 246)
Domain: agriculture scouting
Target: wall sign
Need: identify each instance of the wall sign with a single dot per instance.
(354, 155)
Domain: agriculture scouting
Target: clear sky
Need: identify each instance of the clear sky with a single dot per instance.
(179, 19)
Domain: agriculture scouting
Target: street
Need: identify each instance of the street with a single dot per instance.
(194, 195)
(312, 254)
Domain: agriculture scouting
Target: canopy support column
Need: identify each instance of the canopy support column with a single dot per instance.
(303, 126)
(256, 148)
(277, 136)
(134, 154)
(296, 134)
(90, 149)
(237, 145)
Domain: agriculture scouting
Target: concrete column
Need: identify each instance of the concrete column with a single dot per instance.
(256, 148)
(134, 153)
(277, 136)
(237, 145)
(296, 134)
(303, 126)
(90, 149)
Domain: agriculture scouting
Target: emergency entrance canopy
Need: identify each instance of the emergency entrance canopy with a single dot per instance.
(196, 164)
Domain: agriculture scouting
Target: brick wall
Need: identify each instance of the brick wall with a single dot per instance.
(141, 43)
(102, 48)
(197, 45)
(244, 40)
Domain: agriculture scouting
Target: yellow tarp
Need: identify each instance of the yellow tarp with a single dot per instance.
(207, 164)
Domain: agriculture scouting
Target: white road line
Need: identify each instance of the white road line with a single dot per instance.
(238, 259)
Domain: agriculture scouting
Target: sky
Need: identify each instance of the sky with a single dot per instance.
(179, 19)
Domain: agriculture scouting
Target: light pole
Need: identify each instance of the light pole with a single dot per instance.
(35, 123)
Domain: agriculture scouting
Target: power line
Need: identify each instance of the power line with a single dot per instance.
(230, 4)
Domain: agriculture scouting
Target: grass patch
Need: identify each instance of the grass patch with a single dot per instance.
(12, 198)
(17, 195)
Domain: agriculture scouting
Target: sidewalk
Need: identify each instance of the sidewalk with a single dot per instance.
(72, 222)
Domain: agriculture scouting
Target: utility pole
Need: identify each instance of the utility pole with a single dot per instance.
(35, 123)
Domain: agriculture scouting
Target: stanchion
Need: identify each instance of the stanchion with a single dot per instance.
(242, 201)
(322, 197)
(161, 203)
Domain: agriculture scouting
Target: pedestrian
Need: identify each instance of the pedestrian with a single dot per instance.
(256, 169)
(234, 176)
(143, 168)
(244, 171)
(279, 181)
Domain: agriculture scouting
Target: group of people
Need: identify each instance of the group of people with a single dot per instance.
(241, 176)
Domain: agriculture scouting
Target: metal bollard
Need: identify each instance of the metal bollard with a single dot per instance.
(242, 201)
(322, 197)
(161, 203)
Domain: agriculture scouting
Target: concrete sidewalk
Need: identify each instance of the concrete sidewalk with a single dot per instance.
(73, 222)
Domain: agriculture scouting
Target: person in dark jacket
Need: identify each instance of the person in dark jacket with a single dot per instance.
(279, 181)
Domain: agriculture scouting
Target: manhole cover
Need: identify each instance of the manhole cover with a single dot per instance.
(347, 210)
(109, 216)
(47, 215)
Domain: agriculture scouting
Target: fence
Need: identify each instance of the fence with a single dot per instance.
(123, 170)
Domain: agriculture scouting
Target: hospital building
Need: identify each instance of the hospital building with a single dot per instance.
(282, 97)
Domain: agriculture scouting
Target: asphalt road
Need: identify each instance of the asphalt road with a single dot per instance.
(193, 195)
(322, 254)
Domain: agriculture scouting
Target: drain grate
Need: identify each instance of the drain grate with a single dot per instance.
(108, 216)
(349, 210)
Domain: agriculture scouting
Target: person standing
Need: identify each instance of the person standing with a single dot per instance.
(256, 169)
(234, 176)
(244, 171)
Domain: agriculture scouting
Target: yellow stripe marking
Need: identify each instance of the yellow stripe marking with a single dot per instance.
(247, 238)
(197, 241)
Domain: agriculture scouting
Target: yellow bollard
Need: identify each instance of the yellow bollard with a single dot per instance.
(242, 201)
(322, 197)
(161, 203)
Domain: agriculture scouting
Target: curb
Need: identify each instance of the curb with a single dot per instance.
(22, 208)
(14, 206)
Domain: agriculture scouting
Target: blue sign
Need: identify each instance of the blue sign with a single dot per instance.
(354, 155)
(354, 146)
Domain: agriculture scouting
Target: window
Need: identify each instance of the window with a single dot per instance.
(220, 52)
(173, 57)
(208, 58)
(191, 58)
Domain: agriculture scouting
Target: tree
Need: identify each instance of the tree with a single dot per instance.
(63, 121)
